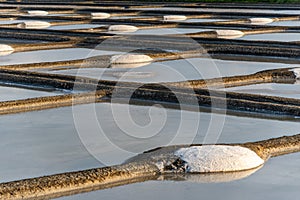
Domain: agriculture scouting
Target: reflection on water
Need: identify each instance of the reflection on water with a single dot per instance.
(50, 141)
(179, 70)
(51, 55)
(284, 37)
(278, 179)
(208, 177)
(168, 31)
(13, 93)
(47, 142)
(244, 10)
(286, 23)
(271, 89)
(75, 26)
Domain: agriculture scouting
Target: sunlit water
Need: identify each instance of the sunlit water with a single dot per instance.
(270, 89)
(168, 31)
(75, 26)
(68, 139)
(13, 93)
(245, 10)
(286, 23)
(172, 71)
(47, 142)
(277, 180)
(50, 55)
(283, 37)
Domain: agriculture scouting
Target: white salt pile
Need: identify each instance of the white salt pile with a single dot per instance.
(130, 58)
(34, 25)
(6, 49)
(122, 28)
(260, 21)
(37, 12)
(100, 15)
(229, 34)
(218, 158)
(174, 18)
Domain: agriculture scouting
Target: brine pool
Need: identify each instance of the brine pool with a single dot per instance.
(278, 179)
(174, 70)
(52, 141)
(81, 137)
(282, 37)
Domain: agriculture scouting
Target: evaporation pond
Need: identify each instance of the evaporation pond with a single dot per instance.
(50, 55)
(277, 179)
(175, 70)
(13, 93)
(56, 140)
(270, 89)
(282, 37)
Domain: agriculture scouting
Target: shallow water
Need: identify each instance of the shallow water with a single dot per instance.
(47, 142)
(277, 180)
(11, 21)
(88, 136)
(13, 93)
(245, 10)
(270, 89)
(179, 70)
(286, 23)
(50, 55)
(168, 31)
(283, 37)
(75, 26)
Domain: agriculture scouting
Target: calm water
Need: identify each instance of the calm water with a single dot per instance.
(278, 179)
(13, 93)
(271, 89)
(283, 37)
(81, 137)
(47, 142)
(50, 55)
(75, 26)
(168, 31)
(179, 70)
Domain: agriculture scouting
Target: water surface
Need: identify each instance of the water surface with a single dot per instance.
(51, 141)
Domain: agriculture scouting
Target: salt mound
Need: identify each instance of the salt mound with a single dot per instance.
(37, 12)
(218, 158)
(260, 21)
(229, 34)
(174, 18)
(5, 50)
(130, 58)
(296, 72)
(122, 28)
(34, 24)
(100, 15)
